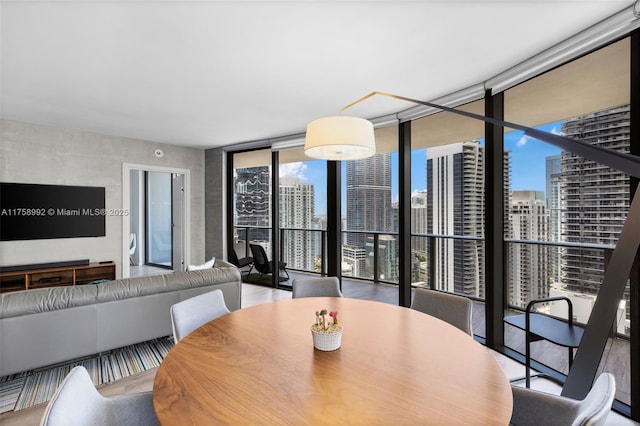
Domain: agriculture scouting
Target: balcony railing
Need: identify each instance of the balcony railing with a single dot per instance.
(452, 263)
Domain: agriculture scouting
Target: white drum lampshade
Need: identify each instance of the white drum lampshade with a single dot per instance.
(340, 138)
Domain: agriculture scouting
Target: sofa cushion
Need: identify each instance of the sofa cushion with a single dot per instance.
(217, 275)
(40, 300)
(126, 288)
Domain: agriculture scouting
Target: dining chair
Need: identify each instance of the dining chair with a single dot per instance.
(77, 402)
(191, 313)
(262, 263)
(316, 287)
(532, 407)
(456, 310)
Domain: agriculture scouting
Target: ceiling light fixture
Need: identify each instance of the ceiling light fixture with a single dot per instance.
(340, 138)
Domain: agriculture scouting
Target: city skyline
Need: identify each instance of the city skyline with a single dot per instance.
(583, 207)
(528, 157)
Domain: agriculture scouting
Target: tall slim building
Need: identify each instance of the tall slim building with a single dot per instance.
(368, 197)
(253, 201)
(368, 209)
(455, 206)
(455, 194)
(419, 221)
(553, 171)
(595, 198)
(529, 268)
(297, 211)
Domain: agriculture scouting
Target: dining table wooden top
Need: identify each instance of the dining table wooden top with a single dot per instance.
(396, 365)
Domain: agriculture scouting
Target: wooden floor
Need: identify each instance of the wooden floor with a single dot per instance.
(252, 295)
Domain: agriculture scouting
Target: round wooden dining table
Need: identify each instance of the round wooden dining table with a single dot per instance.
(396, 365)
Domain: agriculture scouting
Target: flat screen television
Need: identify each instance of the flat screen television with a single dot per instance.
(35, 212)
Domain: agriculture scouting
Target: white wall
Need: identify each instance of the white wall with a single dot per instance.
(31, 153)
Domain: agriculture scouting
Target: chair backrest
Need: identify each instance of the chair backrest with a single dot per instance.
(260, 260)
(595, 407)
(191, 313)
(534, 407)
(316, 287)
(233, 257)
(456, 310)
(132, 243)
(76, 401)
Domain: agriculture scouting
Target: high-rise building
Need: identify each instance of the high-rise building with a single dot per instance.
(387, 257)
(595, 198)
(354, 261)
(297, 211)
(529, 268)
(455, 206)
(553, 170)
(253, 203)
(455, 194)
(369, 208)
(419, 221)
(419, 245)
(368, 197)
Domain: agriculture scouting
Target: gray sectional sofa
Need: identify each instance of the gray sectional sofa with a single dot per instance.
(50, 325)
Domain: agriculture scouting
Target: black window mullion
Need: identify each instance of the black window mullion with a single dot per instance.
(494, 223)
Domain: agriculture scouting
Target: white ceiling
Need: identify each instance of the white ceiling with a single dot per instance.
(213, 73)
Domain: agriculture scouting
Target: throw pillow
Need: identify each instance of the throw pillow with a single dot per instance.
(207, 265)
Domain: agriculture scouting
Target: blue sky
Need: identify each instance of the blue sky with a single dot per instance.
(527, 167)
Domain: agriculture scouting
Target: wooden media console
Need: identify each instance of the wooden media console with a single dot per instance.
(40, 276)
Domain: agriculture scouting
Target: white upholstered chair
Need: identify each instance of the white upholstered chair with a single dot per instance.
(316, 287)
(77, 402)
(190, 314)
(456, 310)
(532, 407)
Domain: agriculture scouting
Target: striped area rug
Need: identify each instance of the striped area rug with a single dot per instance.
(23, 390)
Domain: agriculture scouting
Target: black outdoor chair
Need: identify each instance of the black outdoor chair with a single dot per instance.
(263, 264)
(240, 263)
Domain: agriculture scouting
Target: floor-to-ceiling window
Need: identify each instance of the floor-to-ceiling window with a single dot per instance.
(252, 202)
(447, 204)
(566, 212)
(370, 212)
(303, 211)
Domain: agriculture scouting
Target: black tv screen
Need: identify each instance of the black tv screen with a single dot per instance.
(35, 212)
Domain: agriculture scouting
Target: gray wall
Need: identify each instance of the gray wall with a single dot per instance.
(214, 202)
(31, 153)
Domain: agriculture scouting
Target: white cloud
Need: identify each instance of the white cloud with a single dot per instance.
(522, 141)
(293, 170)
(556, 131)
